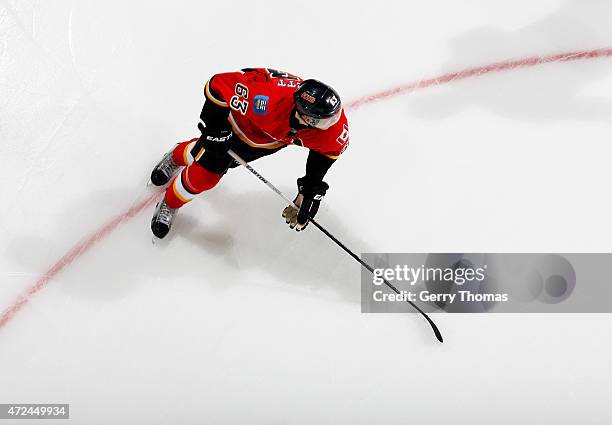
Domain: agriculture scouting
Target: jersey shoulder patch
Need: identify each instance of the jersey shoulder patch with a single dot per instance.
(336, 139)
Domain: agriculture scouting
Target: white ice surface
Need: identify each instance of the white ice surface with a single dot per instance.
(238, 320)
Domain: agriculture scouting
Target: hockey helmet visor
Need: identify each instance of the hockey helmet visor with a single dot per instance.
(321, 123)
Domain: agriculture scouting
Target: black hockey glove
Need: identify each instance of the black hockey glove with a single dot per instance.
(215, 140)
(308, 199)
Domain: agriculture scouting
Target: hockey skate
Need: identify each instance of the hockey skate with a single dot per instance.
(164, 170)
(162, 219)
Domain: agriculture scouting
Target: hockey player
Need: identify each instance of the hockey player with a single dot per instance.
(255, 112)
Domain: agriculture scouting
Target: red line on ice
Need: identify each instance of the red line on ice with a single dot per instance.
(478, 71)
(74, 253)
(86, 244)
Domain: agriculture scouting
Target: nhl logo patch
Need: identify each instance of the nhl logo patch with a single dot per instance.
(260, 104)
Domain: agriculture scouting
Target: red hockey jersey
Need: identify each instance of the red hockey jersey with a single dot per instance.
(261, 103)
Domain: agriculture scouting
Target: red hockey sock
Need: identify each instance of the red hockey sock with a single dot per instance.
(182, 152)
(193, 180)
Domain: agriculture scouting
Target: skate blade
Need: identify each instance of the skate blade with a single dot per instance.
(155, 241)
(151, 186)
(160, 243)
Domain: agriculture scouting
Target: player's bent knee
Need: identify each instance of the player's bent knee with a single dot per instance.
(197, 179)
(182, 153)
(190, 182)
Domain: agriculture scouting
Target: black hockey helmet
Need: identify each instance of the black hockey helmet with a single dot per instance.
(318, 104)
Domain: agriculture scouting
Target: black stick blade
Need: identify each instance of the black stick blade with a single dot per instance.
(435, 329)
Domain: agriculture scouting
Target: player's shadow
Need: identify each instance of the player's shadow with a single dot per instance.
(222, 239)
(552, 92)
(247, 233)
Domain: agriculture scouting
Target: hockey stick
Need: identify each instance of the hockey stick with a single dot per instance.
(333, 238)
